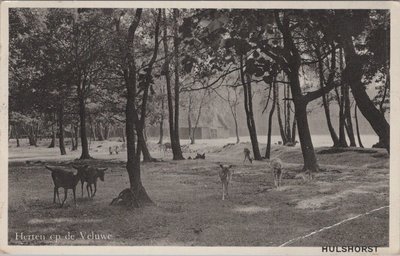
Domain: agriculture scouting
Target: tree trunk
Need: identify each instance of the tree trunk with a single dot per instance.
(325, 102)
(61, 130)
(17, 136)
(294, 127)
(278, 110)
(271, 113)
(106, 131)
(133, 154)
(349, 123)
(53, 136)
(191, 137)
(287, 121)
(160, 141)
(248, 106)
(307, 148)
(82, 119)
(177, 144)
(72, 138)
(357, 127)
(352, 75)
(76, 133)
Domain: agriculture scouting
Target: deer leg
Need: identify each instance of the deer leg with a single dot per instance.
(58, 196)
(91, 190)
(54, 197)
(280, 178)
(227, 188)
(65, 196)
(223, 191)
(73, 191)
(82, 187)
(95, 188)
(87, 189)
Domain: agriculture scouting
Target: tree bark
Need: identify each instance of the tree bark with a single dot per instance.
(349, 123)
(271, 113)
(278, 110)
(53, 135)
(82, 119)
(160, 141)
(357, 127)
(61, 130)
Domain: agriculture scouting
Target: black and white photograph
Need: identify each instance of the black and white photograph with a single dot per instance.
(182, 126)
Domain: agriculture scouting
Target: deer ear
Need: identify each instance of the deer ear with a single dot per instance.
(230, 166)
(221, 166)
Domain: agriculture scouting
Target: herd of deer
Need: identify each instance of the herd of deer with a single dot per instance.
(225, 174)
(85, 173)
(68, 180)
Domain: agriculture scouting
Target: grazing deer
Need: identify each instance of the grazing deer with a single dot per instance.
(200, 156)
(63, 179)
(225, 174)
(276, 165)
(247, 152)
(90, 175)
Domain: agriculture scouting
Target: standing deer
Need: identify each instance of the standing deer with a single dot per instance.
(247, 152)
(225, 174)
(90, 175)
(276, 165)
(63, 179)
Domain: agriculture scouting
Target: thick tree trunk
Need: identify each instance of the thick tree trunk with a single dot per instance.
(357, 127)
(352, 75)
(61, 130)
(307, 148)
(271, 113)
(82, 119)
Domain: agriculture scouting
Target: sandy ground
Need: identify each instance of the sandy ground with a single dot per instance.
(188, 208)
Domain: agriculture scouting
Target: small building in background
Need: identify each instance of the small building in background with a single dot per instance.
(213, 127)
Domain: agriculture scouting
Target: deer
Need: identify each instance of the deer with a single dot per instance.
(164, 147)
(90, 175)
(225, 174)
(200, 156)
(276, 165)
(63, 179)
(247, 152)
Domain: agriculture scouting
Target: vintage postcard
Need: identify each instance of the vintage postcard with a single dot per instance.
(200, 127)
